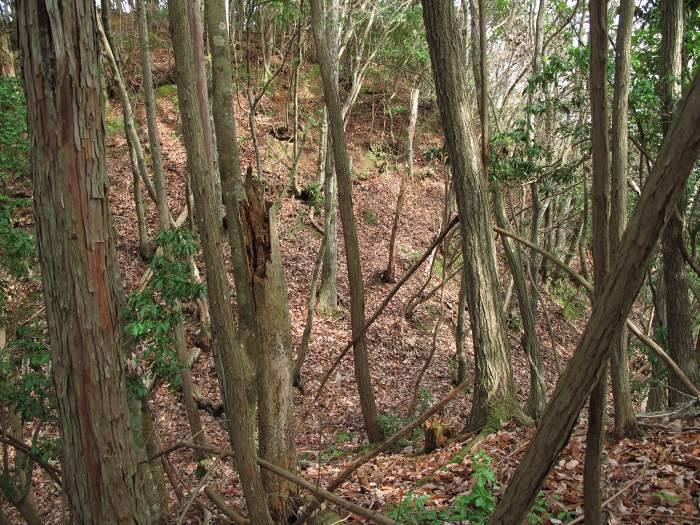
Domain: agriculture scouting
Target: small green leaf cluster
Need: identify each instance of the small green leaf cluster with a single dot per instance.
(25, 383)
(14, 140)
(152, 313)
(16, 245)
(474, 507)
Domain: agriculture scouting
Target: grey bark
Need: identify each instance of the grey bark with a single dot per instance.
(347, 217)
(494, 389)
(194, 110)
(625, 418)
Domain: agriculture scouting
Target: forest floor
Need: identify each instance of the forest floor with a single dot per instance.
(655, 479)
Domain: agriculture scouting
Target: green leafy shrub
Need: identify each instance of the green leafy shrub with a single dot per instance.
(152, 313)
(14, 140)
(474, 507)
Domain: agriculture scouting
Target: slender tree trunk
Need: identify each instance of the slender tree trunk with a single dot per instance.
(328, 292)
(347, 217)
(678, 319)
(101, 475)
(657, 399)
(494, 390)
(145, 249)
(625, 419)
(661, 193)
(530, 342)
(151, 120)
(536, 397)
(592, 506)
(322, 148)
(200, 165)
(390, 273)
(130, 126)
(7, 57)
(233, 190)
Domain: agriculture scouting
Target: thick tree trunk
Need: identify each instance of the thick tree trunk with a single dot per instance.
(274, 355)
(678, 319)
(661, 193)
(347, 217)
(494, 390)
(101, 475)
(625, 419)
(200, 166)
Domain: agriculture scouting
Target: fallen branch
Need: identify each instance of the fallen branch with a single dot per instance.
(633, 327)
(218, 500)
(26, 450)
(329, 496)
(611, 498)
(379, 310)
(319, 492)
(345, 475)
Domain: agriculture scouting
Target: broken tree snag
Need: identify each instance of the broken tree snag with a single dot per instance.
(273, 358)
(659, 198)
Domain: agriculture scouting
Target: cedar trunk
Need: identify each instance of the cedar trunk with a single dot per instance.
(347, 218)
(678, 318)
(494, 389)
(101, 475)
(195, 119)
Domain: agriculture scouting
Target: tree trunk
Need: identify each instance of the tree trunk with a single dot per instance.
(494, 390)
(617, 294)
(151, 120)
(7, 57)
(274, 353)
(101, 475)
(145, 249)
(657, 398)
(347, 217)
(129, 124)
(390, 273)
(678, 319)
(459, 331)
(200, 166)
(625, 419)
(233, 191)
(328, 291)
(595, 437)
(530, 342)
